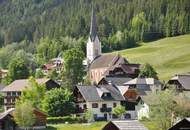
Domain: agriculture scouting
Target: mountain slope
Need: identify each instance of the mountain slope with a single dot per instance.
(169, 56)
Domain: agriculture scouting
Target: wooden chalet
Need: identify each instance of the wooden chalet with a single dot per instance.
(7, 121)
(13, 91)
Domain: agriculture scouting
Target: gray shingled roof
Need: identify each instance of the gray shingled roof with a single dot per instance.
(184, 80)
(1, 86)
(128, 125)
(143, 81)
(107, 61)
(93, 93)
(117, 80)
(21, 84)
(179, 121)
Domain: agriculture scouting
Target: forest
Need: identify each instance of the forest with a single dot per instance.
(45, 28)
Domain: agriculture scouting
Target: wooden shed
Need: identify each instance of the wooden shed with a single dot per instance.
(7, 121)
(125, 125)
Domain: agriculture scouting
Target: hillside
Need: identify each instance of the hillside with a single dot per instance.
(169, 55)
(34, 19)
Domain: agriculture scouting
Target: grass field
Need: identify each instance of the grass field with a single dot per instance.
(94, 126)
(169, 56)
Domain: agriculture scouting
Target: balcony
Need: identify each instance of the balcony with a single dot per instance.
(105, 109)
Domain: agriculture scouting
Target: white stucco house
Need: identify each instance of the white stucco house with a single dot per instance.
(102, 99)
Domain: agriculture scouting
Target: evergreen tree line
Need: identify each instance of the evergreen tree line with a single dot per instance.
(121, 23)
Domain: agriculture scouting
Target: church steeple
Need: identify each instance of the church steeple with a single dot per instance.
(93, 26)
(93, 46)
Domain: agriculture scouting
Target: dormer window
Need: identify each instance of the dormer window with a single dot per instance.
(106, 95)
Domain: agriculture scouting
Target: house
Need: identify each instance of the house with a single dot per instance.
(184, 124)
(125, 125)
(134, 104)
(99, 65)
(144, 85)
(14, 90)
(54, 64)
(7, 121)
(102, 99)
(181, 82)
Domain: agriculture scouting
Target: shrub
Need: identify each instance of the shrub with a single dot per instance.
(69, 119)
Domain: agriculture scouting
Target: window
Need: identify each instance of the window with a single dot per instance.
(104, 105)
(94, 105)
(14, 93)
(114, 104)
(18, 93)
(8, 93)
(84, 106)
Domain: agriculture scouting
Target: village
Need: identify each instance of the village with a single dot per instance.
(115, 91)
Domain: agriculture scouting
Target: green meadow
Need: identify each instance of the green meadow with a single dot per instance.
(169, 56)
(93, 126)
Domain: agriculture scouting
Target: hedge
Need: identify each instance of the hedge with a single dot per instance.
(69, 119)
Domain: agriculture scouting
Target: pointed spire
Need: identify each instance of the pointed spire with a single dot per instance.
(93, 26)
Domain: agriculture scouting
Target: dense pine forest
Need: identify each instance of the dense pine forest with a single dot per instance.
(43, 28)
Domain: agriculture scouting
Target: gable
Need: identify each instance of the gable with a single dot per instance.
(182, 125)
(110, 126)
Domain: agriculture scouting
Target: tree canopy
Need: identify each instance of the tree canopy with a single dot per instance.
(23, 115)
(59, 102)
(147, 71)
(73, 66)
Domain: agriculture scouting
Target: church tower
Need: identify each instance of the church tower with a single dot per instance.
(93, 47)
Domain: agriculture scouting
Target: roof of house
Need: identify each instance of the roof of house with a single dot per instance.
(4, 114)
(180, 121)
(11, 110)
(107, 61)
(1, 86)
(94, 93)
(116, 80)
(122, 89)
(128, 125)
(143, 81)
(126, 67)
(21, 84)
(183, 79)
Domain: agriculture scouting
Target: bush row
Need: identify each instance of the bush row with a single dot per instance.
(69, 119)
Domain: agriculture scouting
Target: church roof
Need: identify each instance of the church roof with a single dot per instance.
(93, 26)
(107, 61)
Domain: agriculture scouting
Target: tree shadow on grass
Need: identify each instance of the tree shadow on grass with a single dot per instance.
(50, 128)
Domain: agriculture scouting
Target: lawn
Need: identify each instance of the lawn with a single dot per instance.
(95, 126)
(169, 55)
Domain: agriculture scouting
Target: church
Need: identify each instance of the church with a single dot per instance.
(105, 65)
